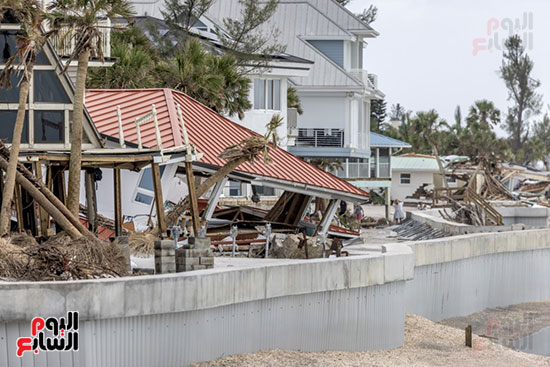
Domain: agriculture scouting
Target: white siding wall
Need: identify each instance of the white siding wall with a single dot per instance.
(257, 120)
(401, 191)
(322, 112)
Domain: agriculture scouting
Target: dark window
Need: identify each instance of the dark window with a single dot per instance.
(8, 47)
(146, 181)
(405, 178)
(49, 126)
(265, 191)
(48, 88)
(7, 124)
(234, 188)
(145, 199)
(11, 95)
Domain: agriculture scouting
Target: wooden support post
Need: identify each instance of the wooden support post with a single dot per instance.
(91, 202)
(29, 209)
(193, 197)
(118, 202)
(19, 208)
(57, 181)
(44, 216)
(159, 201)
(469, 336)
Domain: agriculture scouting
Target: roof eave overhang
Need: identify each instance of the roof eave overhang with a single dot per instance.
(285, 185)
(370, 33)
(288, 69)
(306, 189)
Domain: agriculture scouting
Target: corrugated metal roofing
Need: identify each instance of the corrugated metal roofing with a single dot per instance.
(208, 131)
(414, 164)
(381, 141)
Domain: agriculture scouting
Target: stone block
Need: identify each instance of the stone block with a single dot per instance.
(206, 260)
(182, 268)
(187, 260)
(199, 267)
(164, 244)
(165, 252)
(181, 252)
(165, 268)
(200, 242)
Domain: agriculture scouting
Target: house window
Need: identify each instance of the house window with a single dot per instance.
(47, 88)
(49, 126)
(145, 189)
(49, 105)
(235, 188)
(405, 178)
(267, 94)
(10, 95)
(264, 191)
(7, 124)
(451, 179)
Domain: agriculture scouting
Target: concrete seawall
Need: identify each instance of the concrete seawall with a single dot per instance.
(354, 303)
(457, 276)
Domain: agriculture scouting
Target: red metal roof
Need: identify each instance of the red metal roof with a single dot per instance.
(208, 131)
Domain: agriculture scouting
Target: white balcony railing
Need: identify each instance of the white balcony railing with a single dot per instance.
(315, 137)
(64, 43)
(368, 80)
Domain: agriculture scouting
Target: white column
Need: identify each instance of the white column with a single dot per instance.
(327, 219)
(377, 162)
(214, 199)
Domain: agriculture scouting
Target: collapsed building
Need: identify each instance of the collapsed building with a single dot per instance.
(299, 183)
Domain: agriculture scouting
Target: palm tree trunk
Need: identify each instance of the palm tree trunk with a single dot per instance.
(174, 214)
(9, 185)
(75, 162)
(37, 195)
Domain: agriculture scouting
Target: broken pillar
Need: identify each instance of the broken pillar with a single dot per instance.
(165, 257)
(124, 244)
(196, 255)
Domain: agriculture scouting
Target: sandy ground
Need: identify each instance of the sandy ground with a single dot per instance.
(426, 344)
(506, 324)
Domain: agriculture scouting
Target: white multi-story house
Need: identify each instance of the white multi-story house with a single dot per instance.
(336, 95)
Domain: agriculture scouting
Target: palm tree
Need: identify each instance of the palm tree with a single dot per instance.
(135, 63)
(29, 41)
(212, 80)
(429, 124)
(484, 111)
(79, 19)
(293, 100)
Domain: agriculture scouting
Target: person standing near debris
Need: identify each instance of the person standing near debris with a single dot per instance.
(343, 208)
(398, 214)
(359, 213)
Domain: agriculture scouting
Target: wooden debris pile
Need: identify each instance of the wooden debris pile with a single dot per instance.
(465, 213)
(59, 258)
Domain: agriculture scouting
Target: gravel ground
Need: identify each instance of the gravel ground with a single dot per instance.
(426, 344)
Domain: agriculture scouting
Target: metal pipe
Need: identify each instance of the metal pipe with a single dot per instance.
(234, 232)
(140, 146)
(157, 131)
(267, 237)
(121, 140)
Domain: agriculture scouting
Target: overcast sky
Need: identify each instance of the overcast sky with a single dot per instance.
(424, 56)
